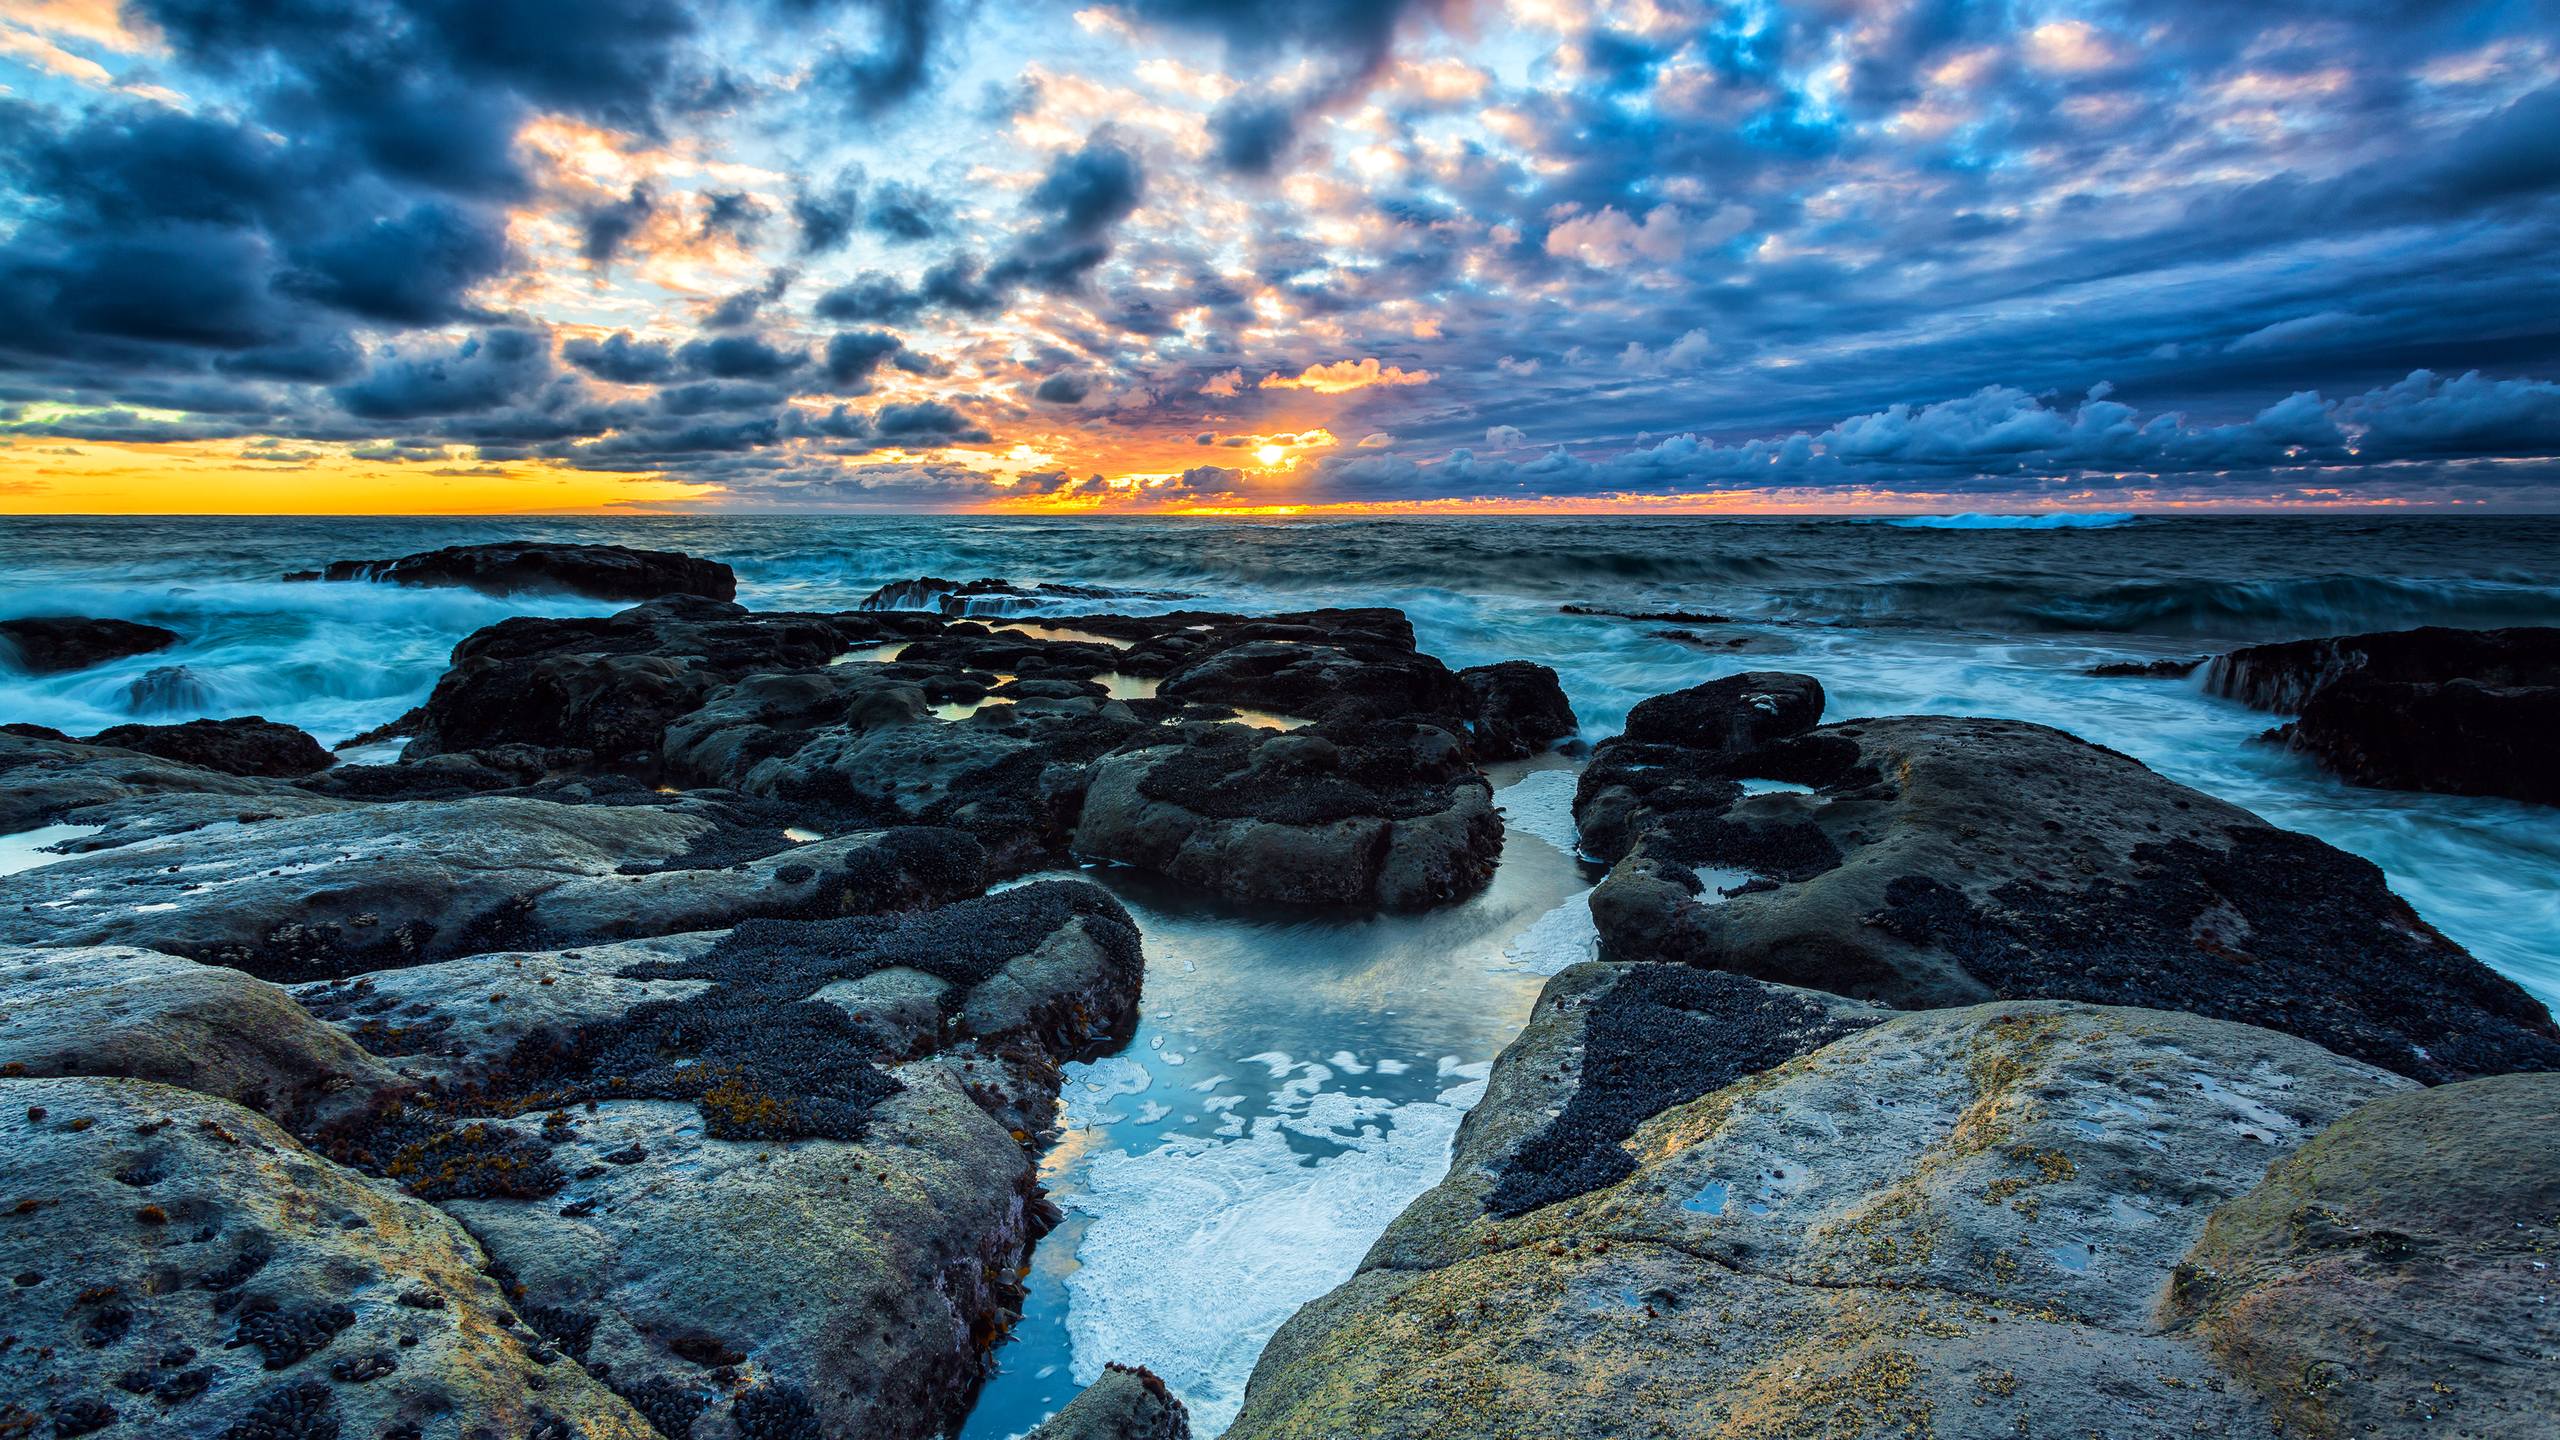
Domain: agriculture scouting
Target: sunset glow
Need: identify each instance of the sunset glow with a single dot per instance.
(1380, 258)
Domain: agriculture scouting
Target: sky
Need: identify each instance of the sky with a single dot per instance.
(373, 256)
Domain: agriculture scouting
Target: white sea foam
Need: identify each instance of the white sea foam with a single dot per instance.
(1200, 1248)
(1540, 804)
(1563, 937)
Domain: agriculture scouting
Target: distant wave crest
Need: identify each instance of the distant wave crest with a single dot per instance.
(2060, 520)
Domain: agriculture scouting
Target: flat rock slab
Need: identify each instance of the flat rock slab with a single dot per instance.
(395, 884)
(181, 1267)
(2396, 1276)
(1928, 861)
(1954, 1223)
(522, 567)
(782, 1175)
(142, 1015)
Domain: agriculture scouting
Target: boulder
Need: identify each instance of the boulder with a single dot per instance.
(783, 1175)
(1129, 1402)
(2393, 1276)
(604, 690)
(2464, 712)
(49, 778)
(252, 745)
(116, 1011)
(1953, 1223)
(1519, 709)
(1355, 813)
(1925, 861)
(182, 1268)
(533, 567)
(992, 597)
(380, 886)
(1730, 715)
(52, 644)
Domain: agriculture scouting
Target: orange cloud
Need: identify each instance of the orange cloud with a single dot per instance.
(1343, 376)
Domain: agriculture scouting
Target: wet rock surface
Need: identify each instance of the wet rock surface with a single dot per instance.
(2466, 712)
(252, 745)
(2394, 1276)
(141, 1015)
(1127, 1403)
(788, 1165)
(1951, 1223)
(1520, 709)
(525, 567)
(54, 644)
(371, 887)
(1937, 861)
(182, 1267)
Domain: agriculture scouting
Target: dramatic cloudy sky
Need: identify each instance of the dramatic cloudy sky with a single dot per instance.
(1219, 254)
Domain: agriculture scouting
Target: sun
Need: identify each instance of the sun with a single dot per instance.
(1271, 455)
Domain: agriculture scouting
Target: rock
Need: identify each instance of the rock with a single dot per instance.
(1733, 714)
(2393, 1276)
(1376, 814)
(1607, 1048)
(1127, 1403)
(1322, 664)
(1662, 617)
(183, 1263)
(114, 1011)
(992, 597)
(802, 1151)
(1942, 861)
(2463, 712)
(52, 644)
(1953, 1223)
(606, 689)
(1519, 709)
(252, 745)
(169, 690)
(523, 567)
(395, 884)
(52, 779)
(2170, 669)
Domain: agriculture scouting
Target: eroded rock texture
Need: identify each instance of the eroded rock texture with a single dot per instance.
(1950, 1223)
(1929, 861)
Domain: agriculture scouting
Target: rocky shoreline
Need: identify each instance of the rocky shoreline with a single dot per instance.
(665, 1043)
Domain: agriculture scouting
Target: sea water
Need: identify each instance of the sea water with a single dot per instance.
(1298, 1078)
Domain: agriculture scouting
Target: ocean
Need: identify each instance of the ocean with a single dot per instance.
(1297, 1080)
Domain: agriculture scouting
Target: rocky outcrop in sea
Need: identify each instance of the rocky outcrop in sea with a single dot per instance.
(667, 1042)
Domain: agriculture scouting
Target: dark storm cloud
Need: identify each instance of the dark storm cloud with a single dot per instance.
(621, 358)
(740, 357)
(603, 228)
(853, 357)
(738, 310)
(1064, 388)
(483, 372)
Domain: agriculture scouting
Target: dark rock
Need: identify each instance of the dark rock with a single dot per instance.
(807, 1146)
(1355, 813)
(1519, 709)
(2391, 1277)
(251, 745)
(521, 567)
(1945, 861)
(2464, 712)
(2171, 669)
(51, 644)
(992, 597)
(1129, 1402)
(1657, 617)
(1736, 713)
(367, 887)
(1661, 1035)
